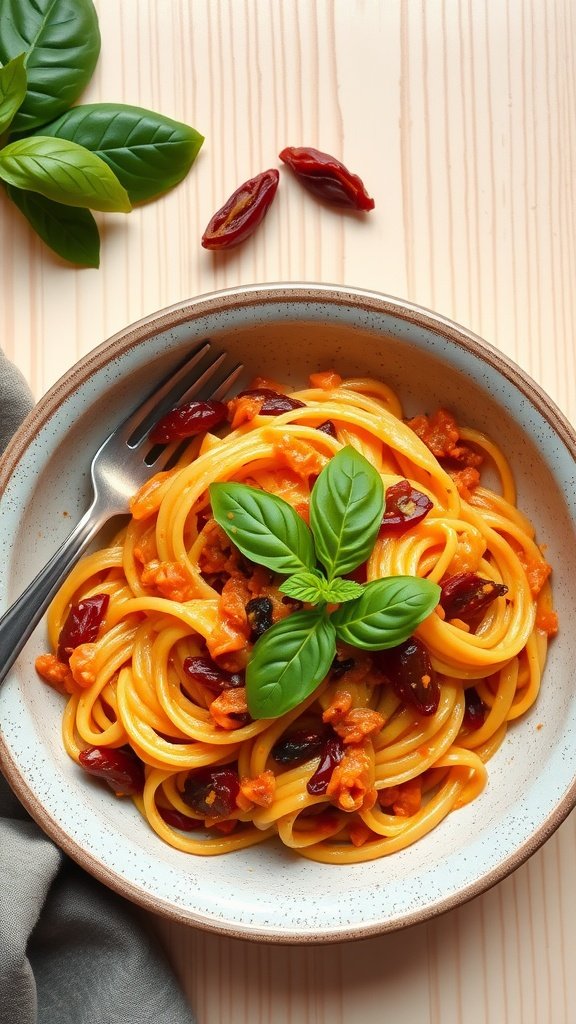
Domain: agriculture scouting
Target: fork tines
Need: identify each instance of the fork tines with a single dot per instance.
(197, 376)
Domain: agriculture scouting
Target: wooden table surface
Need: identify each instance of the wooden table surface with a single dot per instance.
(460, 115)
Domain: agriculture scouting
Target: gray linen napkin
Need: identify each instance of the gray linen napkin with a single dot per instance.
(71, 951)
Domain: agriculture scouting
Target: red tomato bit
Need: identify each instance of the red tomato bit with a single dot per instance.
(328, 428)
(327, 178)
(297, 747)
(409, 669)
(331, 754)
(273, 403)
(188, 420)
(207, 672)
(475, 710)
(242, 212)
(212, 792)
(178, 820)
(403, 507)
(119, 767)
(82, 624)
(466, 594)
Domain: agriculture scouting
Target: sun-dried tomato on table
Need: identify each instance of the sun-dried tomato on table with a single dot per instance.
(327, 178)
(241, 214)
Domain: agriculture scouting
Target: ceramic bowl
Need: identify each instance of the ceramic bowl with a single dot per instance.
(285, 332)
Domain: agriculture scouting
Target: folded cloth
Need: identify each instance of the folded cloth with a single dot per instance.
(71, 951)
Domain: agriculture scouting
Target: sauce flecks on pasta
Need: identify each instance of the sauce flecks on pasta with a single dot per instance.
(150, 636)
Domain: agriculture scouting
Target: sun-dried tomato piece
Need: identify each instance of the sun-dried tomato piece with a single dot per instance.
(212, 792)
(241, 214)
(298, 746)
(327, 427)
(178, 820)
(404, 507)
(340, 666)
(119, 767)
(188, 420)
(273, 402)
(82, 624)
(259, 611)
(475, 710)
(466, 594)
(409, 670)
(204, 670)
(326, 177)
(331, 754)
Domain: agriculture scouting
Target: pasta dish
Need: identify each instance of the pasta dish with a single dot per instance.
(340, 682)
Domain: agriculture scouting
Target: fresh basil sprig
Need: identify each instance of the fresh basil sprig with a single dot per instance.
(292, 657)
(58, 163)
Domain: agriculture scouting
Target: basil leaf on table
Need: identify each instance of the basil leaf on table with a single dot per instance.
(346, 507)
(263, 526)
(288, 662)
(12, 90)
(61, 40)
(387, 612)
(149, 153)
(69, 231)
(64, 172)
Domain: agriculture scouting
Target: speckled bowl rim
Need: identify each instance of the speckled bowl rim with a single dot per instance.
(187, 311)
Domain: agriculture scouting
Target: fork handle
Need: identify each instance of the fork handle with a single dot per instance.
(19, 622)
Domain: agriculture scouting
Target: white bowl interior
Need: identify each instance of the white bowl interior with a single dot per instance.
(267, 891)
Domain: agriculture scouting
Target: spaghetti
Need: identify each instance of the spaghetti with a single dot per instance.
(167, 615)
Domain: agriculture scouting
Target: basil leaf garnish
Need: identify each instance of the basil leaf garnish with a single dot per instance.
(312, 587)
(305, 586)
(12, 90)
(346, 508)
(149, 153)
(288, 662)
(339, 590)
(63, 172)
(263, 526)
(387, 612)
(61, 40)
(69, 231)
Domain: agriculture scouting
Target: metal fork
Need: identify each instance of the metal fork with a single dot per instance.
(121, 465)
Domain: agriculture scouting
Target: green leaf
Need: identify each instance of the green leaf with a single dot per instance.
(70, 231)
(387, 612)
(264, 527)
(305, 586)
(64, 172)
(12, 90)
(346, 509)
(312, 587)
(338, 590)
(288, 662)
(61, 40)
(148, 153)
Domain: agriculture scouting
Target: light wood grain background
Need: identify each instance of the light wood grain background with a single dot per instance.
(460, 115)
